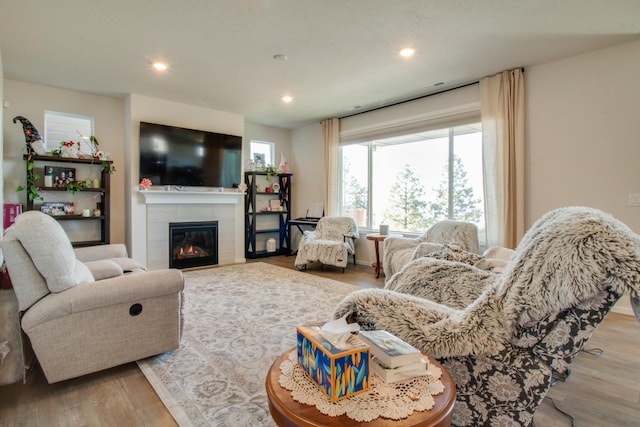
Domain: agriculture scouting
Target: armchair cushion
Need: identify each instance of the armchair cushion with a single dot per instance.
(95, 253)
(22, 270)
(104, 269)
(49, 248)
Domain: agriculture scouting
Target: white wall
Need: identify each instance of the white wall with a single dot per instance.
(582, 135)
(142, 108)
(307, 154)
(31, 100)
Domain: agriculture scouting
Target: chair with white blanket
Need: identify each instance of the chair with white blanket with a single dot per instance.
(330, 243)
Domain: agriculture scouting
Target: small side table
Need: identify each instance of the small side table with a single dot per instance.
(377, 238)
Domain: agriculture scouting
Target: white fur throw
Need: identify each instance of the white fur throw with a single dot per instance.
(569, 258)
(399, 251)
(330, 243)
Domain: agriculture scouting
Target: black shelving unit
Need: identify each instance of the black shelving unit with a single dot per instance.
(103, 191)
(256, 201)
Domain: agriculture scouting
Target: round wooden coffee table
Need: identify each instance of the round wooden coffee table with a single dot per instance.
(288, 413)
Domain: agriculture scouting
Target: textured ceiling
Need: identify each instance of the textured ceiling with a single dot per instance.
(341, 53)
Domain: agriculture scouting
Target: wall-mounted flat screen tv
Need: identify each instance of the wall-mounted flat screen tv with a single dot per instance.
(172, 155)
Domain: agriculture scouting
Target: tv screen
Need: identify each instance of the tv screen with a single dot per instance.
(172, 155)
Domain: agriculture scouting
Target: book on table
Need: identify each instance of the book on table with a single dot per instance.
(391, 375)
(390, 350)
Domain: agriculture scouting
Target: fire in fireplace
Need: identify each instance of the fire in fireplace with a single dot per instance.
(193, 244)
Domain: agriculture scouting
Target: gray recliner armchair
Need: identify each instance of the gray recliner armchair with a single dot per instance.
(87, 309)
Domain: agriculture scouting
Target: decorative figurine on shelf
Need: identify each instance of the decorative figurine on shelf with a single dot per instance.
(32, 136)
(69, 149)
(284, 166)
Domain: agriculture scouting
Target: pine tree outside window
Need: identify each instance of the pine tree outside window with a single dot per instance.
(412, 181)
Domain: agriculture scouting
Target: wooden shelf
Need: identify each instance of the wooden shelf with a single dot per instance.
(76, 217)
(58, 159)
(84, 190)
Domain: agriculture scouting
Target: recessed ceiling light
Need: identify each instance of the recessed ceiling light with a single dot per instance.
(160, 66)
(407, 52)
(280, 57)
(287, 99)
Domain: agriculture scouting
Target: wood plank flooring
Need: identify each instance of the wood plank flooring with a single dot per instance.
(601, 391)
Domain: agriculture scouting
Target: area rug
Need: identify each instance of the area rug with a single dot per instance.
(237, 321)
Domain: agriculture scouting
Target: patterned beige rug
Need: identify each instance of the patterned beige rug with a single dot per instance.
(238, 320)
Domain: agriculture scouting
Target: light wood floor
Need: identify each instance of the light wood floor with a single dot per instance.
(601, 391)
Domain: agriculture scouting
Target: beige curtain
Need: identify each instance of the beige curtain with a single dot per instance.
(502, 110)
(331, 136)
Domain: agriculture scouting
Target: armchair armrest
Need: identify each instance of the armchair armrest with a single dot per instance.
(118, 290)
(395, 243)
(98, 252)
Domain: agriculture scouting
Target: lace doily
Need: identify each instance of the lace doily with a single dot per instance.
(387, 400)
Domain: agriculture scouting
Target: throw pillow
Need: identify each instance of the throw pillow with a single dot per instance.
(48, 246)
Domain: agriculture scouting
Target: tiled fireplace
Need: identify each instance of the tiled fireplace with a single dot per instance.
(163, 208)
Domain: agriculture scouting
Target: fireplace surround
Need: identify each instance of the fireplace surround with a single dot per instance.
(150, 237)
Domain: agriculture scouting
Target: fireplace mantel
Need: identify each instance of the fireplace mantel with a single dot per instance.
(154, 197)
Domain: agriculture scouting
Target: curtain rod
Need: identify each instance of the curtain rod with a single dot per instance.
(412, 99)
(418, 97)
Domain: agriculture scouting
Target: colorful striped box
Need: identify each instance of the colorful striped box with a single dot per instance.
(339, 372)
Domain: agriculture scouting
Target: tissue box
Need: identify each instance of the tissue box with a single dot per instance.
(340, 372)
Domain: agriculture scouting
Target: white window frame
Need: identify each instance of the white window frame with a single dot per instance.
(268, 149)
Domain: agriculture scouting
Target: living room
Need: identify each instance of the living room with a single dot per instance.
(581, 141)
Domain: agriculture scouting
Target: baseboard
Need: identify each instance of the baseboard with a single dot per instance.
(623, 310)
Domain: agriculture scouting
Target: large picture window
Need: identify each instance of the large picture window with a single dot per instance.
(412, 181)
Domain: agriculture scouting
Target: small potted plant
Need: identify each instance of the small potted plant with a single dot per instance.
(271, 172)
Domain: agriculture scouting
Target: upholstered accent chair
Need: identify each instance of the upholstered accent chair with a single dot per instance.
(87, 309)
(399, 251)
(330, 243)
(502, 336)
